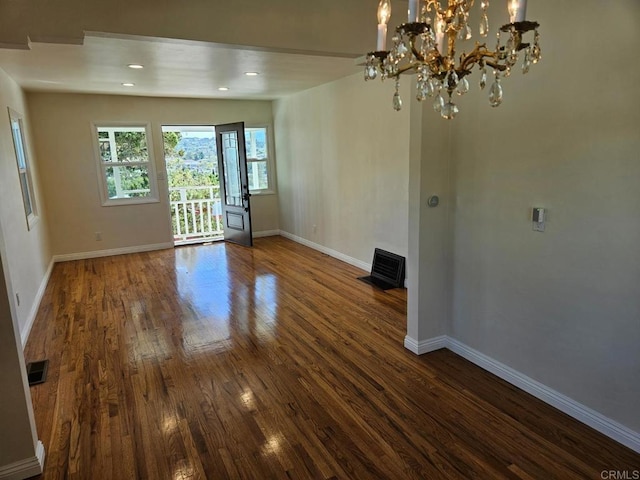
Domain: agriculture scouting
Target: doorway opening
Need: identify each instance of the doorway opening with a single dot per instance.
(193, 182)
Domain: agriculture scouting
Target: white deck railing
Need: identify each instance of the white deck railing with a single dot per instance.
(196, 214)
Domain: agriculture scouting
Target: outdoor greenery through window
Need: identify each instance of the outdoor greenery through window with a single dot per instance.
(193, 178)
(257, 158)
(191, 158)
(126, 165)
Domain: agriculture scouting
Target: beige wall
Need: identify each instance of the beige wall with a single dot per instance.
(66, 155)
(18, 439)
(28, 253)
(24, 258)
(347, 28)
(563, 306)
(429, 288)
(343, 166)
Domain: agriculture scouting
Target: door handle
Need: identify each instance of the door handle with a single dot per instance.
(245, 196)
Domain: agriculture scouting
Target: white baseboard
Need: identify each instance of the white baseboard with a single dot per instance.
(113, 251)
(24, 334)
(425, 346)
(332, 253)
(26, 468)
(582, 413)
(266, 233)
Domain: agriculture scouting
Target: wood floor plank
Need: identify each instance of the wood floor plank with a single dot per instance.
(223, 362)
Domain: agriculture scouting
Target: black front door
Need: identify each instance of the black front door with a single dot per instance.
(234, 186)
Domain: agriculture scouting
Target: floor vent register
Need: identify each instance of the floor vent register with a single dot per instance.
(387, 270)
(37, 372)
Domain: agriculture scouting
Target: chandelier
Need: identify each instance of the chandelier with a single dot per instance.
(426, 46)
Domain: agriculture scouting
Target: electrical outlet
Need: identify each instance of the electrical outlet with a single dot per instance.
(98, 236)
(315, 228)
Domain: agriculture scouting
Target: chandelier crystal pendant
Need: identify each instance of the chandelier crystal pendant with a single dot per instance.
(426, 46)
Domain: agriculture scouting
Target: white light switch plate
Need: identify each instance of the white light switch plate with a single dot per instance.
(538, 227)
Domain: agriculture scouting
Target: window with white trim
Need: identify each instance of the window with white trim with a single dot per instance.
(24, 171)
(259, 160)
(126, 165)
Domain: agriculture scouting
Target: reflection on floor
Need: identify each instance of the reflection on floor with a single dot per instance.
(221, 361)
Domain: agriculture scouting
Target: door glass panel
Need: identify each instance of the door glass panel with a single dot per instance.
(231, 159)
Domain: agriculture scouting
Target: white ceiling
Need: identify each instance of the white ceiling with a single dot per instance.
(172, 68)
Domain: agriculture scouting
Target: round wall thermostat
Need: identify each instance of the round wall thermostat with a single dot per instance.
(433, 201)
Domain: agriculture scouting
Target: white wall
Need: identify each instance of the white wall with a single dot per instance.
(563, 306)
(343, 167)
(28, 253)
(69, 175)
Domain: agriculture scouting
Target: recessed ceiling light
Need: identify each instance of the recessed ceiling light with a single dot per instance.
(223, 89)
(128, 84)
(251, 74)
(135, 65)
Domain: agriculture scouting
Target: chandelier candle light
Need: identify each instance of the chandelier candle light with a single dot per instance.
(426, 46)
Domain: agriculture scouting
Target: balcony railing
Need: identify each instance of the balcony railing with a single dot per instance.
(196, 214)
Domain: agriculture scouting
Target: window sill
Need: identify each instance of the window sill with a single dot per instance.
(115, 202)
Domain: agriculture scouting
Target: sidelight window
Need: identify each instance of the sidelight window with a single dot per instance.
(259, 160)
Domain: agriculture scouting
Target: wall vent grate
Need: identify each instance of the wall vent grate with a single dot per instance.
(387, 270)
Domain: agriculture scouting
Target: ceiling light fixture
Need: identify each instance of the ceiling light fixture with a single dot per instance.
(426, 46)
(135, 66)
(223, 89)
(128, 84)
(251, 74)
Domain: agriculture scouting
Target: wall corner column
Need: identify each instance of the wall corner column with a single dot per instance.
(428, 266)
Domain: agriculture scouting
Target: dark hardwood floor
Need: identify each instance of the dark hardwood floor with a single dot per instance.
(220, 361)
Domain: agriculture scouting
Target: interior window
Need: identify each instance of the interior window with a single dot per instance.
(126, 164)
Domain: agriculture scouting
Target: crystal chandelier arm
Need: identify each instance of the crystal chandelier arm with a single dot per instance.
(517, 29)
(496, 66)
(450, 11)
(435, 4)
(454, 5)
(477, 55)
(434, 60)
(434, 55)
